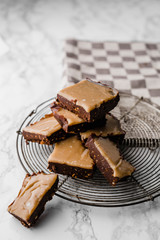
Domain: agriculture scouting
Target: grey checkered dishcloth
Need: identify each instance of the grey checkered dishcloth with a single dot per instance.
(130, 67)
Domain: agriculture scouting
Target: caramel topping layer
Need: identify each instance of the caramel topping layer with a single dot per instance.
(111, 128)
(110, 152)
(46, 126)
(72, 118)
(32, 191)
(71, 152)
(88, 95)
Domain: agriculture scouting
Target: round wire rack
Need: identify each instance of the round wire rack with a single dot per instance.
(141, 147)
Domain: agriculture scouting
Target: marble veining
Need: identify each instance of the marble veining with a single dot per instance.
(31, 43)
(81, 226)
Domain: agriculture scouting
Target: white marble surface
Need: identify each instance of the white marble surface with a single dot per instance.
(31, 39)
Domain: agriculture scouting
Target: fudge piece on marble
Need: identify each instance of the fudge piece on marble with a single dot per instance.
(36, 190)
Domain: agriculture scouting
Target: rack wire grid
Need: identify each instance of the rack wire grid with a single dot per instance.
(141, 147)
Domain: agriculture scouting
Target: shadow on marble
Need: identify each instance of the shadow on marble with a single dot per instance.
(50, 214)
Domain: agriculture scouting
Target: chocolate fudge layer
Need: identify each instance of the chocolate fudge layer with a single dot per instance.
(45, 131)
(89, 100)
(70, 122)
(112, 128)
(36, 190)
(108, 159)
(71, 158)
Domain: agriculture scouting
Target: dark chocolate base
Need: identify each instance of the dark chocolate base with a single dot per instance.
(40, 208)
(42, 139)
(74, 172)
(92, 116)
(101, 162)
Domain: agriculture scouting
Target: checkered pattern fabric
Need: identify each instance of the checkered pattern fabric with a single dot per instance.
(129, 67)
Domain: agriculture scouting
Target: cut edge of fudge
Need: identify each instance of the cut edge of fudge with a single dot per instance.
(40, 206)
(70, 122)
(122, 170)
(42, 139)
(94, 114)
(74, 172)
(76, 161)
(31, 136)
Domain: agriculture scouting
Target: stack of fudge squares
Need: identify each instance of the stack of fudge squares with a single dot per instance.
(85, 134)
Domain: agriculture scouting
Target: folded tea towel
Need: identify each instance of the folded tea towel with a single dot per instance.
(132, 67)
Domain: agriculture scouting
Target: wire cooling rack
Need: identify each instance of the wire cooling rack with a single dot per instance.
(141, 147)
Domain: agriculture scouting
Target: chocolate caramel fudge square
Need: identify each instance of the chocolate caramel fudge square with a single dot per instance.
(111, 129)
(71, 158)
(89, 100)
(36, 190)
(70, 122)
(46, 131)
(108, 159)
